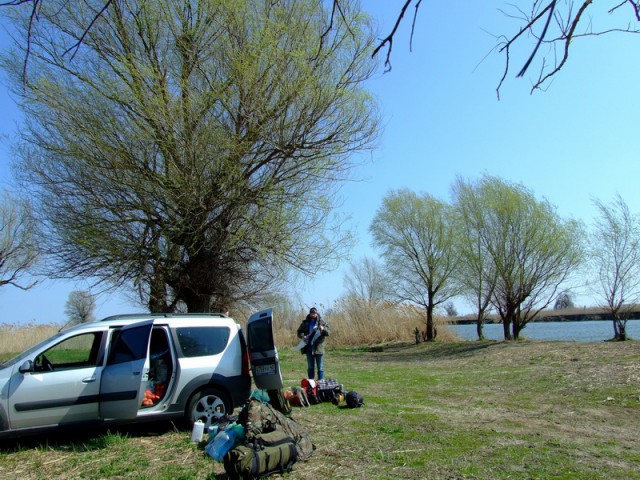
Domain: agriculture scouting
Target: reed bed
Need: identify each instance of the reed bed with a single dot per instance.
(16, 338)
(356, 323)
(351, 322)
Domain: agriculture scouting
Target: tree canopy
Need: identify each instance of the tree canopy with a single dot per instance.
(477, 274)
(80, 307)
(532, 249)
(368, 282)
(19, 252)
(418, 239)
(192, 149)
(551, 27)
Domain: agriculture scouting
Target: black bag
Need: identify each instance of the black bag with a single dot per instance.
(354, 400)
(273, 452)
(328, 389)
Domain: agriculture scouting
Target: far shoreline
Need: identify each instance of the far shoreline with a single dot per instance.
(585, 314)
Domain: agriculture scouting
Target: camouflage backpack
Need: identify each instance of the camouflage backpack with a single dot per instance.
(258, 418)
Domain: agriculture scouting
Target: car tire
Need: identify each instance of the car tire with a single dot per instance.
(207, 405)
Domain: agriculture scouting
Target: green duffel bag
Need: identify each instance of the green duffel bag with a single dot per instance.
(273, 452)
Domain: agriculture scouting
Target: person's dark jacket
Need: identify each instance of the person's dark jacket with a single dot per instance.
(303, 329)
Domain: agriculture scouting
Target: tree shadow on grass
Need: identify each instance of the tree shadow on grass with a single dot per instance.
(435, 350)
(87, 437)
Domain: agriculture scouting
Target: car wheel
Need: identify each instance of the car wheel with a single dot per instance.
(207, 405)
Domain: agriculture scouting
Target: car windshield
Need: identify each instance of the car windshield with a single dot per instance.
(29, 351)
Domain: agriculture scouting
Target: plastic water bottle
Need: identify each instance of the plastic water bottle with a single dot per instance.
(222, 443)
(197, 432)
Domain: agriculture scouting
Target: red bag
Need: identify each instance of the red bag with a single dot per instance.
(311, 388)
(297, 397)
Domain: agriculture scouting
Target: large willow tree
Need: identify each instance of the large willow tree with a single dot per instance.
(523, 248)
(191, 148)
(418, 237)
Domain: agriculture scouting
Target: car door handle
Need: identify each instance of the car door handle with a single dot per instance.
(88, 379)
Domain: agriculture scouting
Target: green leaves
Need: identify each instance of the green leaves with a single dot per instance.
(195, 148)
(521, 250)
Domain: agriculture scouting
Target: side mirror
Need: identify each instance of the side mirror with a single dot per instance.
(26, 367)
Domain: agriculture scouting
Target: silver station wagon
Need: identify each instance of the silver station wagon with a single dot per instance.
(128, 368)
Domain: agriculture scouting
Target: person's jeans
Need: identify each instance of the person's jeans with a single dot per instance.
(313, 361)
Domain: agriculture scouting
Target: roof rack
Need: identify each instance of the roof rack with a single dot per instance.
(125, 316)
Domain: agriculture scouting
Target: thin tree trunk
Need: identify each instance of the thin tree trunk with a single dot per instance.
(517, 328)
(157, 301)
(480, 326)
(507, 320)
(621, 330)
(430, 329)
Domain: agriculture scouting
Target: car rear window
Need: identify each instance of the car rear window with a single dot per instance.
(202, 341)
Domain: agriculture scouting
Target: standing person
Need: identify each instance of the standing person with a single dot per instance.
(315, 351)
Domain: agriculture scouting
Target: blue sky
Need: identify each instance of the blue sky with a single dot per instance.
(571, 143)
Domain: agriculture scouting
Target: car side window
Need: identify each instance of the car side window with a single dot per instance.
(128, 345)
(79, 351)
(202, 341)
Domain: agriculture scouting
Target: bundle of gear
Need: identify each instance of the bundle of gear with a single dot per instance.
(260, 441)
(312, 392)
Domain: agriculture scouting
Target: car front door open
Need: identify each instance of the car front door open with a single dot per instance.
(125, 375)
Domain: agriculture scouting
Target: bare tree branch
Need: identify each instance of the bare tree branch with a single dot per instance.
(389, 38)
(567, 41)
(551, 7)
(36, 4)
(77, 45)
(34, 11)
(567, 26)
(18, 241)
(566, 22)
(15, 3)
(634, 5)
(336, 6)
(506, 47)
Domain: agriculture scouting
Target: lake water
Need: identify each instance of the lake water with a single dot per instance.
(592, 331)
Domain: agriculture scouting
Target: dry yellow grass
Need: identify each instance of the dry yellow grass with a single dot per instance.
(351, 324)
(16, 338)
(356, 324)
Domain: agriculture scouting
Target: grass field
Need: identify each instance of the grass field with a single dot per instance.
(460, 410)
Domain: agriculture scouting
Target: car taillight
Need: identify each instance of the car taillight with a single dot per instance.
(245, 361)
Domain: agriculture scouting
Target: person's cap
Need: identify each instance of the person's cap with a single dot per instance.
(313, 310)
